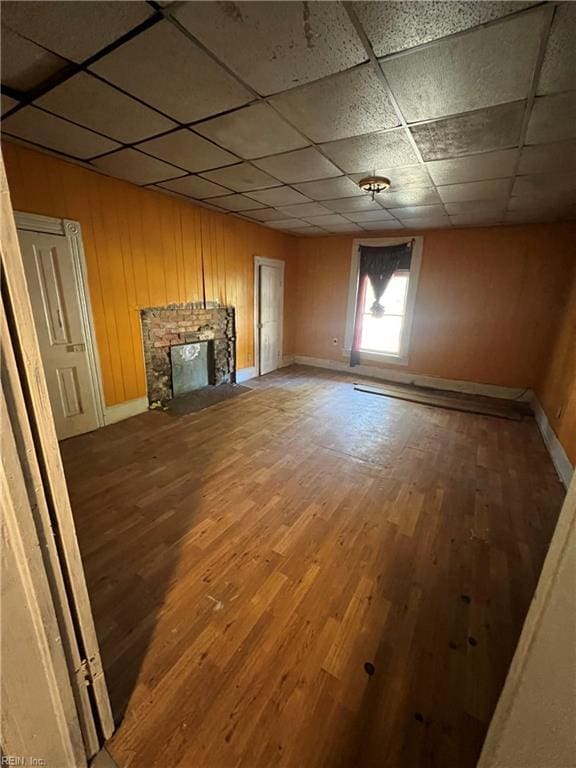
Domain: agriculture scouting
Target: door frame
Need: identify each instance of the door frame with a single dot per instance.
(71, 230)
(43, 495)
(258, 262)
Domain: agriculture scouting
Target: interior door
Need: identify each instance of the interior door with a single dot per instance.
(55, 297)
(270, 317)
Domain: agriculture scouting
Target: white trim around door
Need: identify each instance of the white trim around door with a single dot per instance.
(258, 262)
(71, 230)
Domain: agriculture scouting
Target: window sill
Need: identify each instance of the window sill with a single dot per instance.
(379, 357)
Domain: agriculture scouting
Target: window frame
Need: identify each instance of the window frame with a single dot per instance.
(403, 356)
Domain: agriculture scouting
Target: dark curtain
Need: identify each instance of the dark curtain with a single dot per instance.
(377, 265)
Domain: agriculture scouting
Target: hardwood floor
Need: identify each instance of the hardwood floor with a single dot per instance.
(248, 563)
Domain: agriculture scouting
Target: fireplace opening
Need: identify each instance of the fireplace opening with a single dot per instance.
(190, 367)
(187, 347)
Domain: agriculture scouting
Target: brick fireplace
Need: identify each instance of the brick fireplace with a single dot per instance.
(184, 324)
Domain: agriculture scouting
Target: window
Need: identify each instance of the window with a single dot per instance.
(383, 333)
(386, 336)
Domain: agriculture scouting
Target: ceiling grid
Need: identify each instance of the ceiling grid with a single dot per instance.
(274, 111)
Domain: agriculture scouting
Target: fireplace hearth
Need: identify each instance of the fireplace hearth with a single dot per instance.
(175, 336)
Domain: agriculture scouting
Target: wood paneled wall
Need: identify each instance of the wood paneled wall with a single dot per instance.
(556, 385)
(490, 304)
(487, 304)
(144, 248)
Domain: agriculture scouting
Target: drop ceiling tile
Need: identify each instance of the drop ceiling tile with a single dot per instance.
(74, 30)
(304, 209)
(206, 204)
(481, 207)
(187, 150)
(274, 47)
(347, 104)
(483, 131)
(50, 131)
(553, 118)
(242, 178)
(327, 220)
(422, 196)
(548, 158)
(24, 64)
(194, 186)
(427, 223)
(391, 148)
(51, 152)
(93, 104)
(551, 183)
(543, 200)
(362, 216)
(535, 215)
(364, 203)
(279, 196)
(266, 214)
(488, 66)
(559, 66)
(250, 132)
(350, 227)
(236, 203)
(419, 211)
(302, 165)
(8, 103)
(492, 189)
(164, 68)
(136, 167)
(217, 208)
(404, 178)
(287, 224)
(487, 165)
(476, 219)
(525, 217)
(330, 189)
(396, 26)
(310, 231)
(177, 195)
(377, 226)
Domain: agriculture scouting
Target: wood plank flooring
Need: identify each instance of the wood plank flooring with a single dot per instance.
(248, 563)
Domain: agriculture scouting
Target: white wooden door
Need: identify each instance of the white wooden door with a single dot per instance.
(270, 317)
(55, 298)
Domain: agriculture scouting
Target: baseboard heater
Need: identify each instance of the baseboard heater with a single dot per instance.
(502, 409)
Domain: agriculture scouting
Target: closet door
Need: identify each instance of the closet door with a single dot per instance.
(270, 315)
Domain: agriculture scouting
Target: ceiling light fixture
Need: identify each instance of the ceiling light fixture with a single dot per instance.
(374, 184)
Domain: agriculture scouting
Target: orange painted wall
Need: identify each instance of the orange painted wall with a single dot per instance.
(556, 385)
(144, 248)
(490, 303)
(487, 305)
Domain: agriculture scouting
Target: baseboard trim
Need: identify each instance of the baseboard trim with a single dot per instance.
(121, 411)
(452, 385)
(555, 448)
(244, 374)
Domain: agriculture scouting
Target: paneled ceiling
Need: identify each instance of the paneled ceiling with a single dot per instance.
(274, 110)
